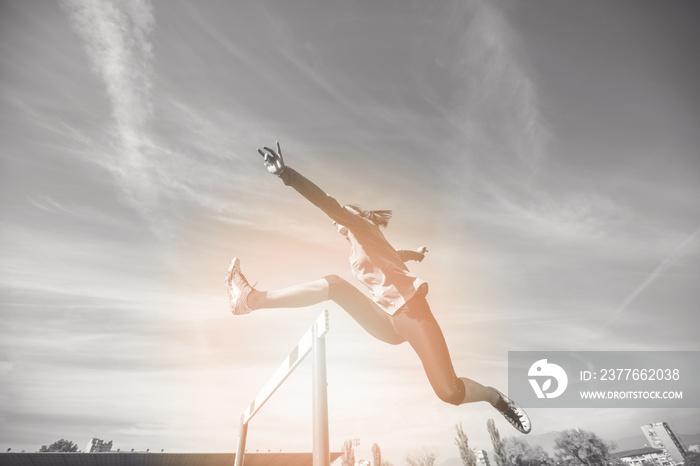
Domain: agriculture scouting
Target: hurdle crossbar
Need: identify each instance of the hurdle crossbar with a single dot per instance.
(313, 340)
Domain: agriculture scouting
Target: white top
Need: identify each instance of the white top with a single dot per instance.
(373, 260)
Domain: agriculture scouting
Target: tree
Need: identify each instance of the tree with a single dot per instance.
(348, 458)
(63, 445)
(424, 457)
(517, 452)
(498, 453)
(581, 447)
(376, 455)
(462, 442)
(692, 459)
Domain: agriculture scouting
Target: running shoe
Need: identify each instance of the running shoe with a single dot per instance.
(513, 413)
(238, 288)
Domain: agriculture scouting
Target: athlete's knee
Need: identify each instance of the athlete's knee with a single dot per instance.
(335, 285)
(452, 397)
(451, 393)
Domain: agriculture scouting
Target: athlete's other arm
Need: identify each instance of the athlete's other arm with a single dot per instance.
(412, 254)
(275, 164)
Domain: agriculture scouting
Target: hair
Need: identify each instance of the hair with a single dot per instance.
(378, 217)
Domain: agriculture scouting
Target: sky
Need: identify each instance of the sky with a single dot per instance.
(546, 153)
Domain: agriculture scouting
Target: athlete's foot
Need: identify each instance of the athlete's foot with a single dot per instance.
(238, 288)
(513, 413)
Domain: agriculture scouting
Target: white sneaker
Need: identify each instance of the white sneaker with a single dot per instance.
(513, 413)
(238, 288)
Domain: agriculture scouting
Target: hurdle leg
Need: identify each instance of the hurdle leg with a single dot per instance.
(321, 456)
(242, 435)
(312, 341)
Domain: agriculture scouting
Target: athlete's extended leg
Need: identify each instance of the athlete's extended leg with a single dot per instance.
(365, 311)
(244, 299)
(306, 294)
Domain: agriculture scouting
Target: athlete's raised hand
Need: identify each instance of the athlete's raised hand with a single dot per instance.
(273, 159)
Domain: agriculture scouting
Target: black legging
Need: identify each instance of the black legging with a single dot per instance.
(413, 322)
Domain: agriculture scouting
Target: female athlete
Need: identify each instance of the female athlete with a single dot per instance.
(396, 310)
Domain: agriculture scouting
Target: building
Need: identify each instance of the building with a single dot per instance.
(482, 459)
(98, 445)
(659, 435)
(640, 455)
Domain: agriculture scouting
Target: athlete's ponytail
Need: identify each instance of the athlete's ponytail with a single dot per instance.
(378, 217)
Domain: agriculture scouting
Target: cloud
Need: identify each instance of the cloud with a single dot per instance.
(79, 213)
(498, 162)
(497, 110)
(669, 261)
(116, 38)
(159, 160)
(574, 216)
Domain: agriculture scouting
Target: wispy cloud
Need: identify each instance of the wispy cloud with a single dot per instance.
(150, 172)
(576, 216)
(500, 161)
(116, 38)
(669, 261)
(498, 109)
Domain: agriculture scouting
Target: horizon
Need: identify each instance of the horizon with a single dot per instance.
(545, 440)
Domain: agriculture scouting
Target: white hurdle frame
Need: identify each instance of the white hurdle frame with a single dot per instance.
(313, 341)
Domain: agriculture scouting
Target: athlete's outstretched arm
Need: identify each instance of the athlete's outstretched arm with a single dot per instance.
(275, 164)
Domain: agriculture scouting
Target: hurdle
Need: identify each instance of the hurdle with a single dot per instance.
(313, 341)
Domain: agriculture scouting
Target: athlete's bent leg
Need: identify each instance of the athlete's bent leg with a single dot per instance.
(415, 321)
(417, 324)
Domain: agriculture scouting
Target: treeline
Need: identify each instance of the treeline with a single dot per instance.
(573, 447)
